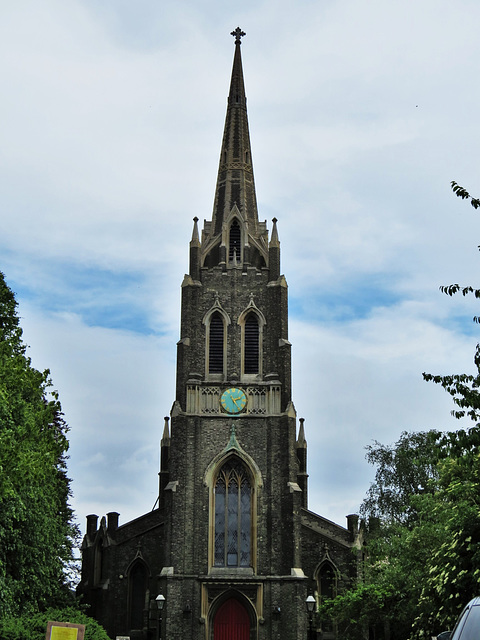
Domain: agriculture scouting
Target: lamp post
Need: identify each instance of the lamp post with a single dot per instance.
(310, 604)
(160, 600)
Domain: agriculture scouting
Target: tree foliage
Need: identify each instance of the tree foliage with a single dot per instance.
(33, 627)
(400, 536)
(452, 289)
(454, 569)
(36, 524)
(403, 470)
(461, 192)
(422, 521)
(422, 539)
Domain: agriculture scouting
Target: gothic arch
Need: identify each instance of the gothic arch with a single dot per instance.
(233, 483)
(326, 578)
(251, 322)
(235, 244)
(241, 607)
(235, 237)
(232, 448)
(138, 574)
(216, 321)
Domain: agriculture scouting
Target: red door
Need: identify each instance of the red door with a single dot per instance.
(231, 622)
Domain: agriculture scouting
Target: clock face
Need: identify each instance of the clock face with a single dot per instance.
(233, 400)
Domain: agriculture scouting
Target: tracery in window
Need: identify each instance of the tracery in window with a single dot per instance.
(233, 516)
(327, 588)
(326, 579)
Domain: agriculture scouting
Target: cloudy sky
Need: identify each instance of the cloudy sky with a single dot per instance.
(361, 113)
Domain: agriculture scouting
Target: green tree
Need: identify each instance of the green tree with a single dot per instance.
(422, 514)
(400, 534)
(37, 533)
(453, 570)
(403, 470)
(452, 289)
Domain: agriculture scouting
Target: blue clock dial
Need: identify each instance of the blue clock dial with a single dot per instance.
(233, 400)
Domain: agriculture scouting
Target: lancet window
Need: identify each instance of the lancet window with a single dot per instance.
(327, 581)
(327, 589)
(233, 516)
(234, 245)
(251, 344)
(137, 594)
(216, 344)
(99, 569)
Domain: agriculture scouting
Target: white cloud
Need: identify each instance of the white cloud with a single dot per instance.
(360, 116)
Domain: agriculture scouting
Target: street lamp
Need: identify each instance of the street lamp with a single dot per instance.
(160, 600)
(310, 604)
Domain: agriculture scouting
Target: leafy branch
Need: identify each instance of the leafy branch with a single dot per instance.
(452, 289)
(461, 192)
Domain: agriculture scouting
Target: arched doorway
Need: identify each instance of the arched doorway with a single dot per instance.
(231, 622)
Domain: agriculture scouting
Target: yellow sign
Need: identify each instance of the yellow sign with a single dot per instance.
(64, 633)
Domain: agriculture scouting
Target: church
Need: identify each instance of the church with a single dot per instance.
(231, 550)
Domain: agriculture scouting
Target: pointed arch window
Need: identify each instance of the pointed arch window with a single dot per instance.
(99, 562)
(251, 362)
(216, 344)
(216, 323)
(233, 516)
(326, 581)
(137, 594)
(327, 589)
(234, 244)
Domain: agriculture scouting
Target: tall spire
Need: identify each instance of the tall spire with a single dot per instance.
(237, 95)
(235, 183)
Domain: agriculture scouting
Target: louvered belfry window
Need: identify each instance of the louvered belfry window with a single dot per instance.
(234, 244)
(233, 520)
(252, 351)
(215, 345)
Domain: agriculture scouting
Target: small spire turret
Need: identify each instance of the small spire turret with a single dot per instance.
(274, 241)
(195, 247)
(166, 432)
(164, 474)
(302, 476)
(274, 253)
(195, 241)
(301, 442)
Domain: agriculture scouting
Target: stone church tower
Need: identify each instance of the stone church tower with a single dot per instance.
(232, 547)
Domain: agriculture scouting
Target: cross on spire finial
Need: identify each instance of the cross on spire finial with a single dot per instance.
(238, 34)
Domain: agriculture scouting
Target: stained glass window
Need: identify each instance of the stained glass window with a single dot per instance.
(233, 504)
